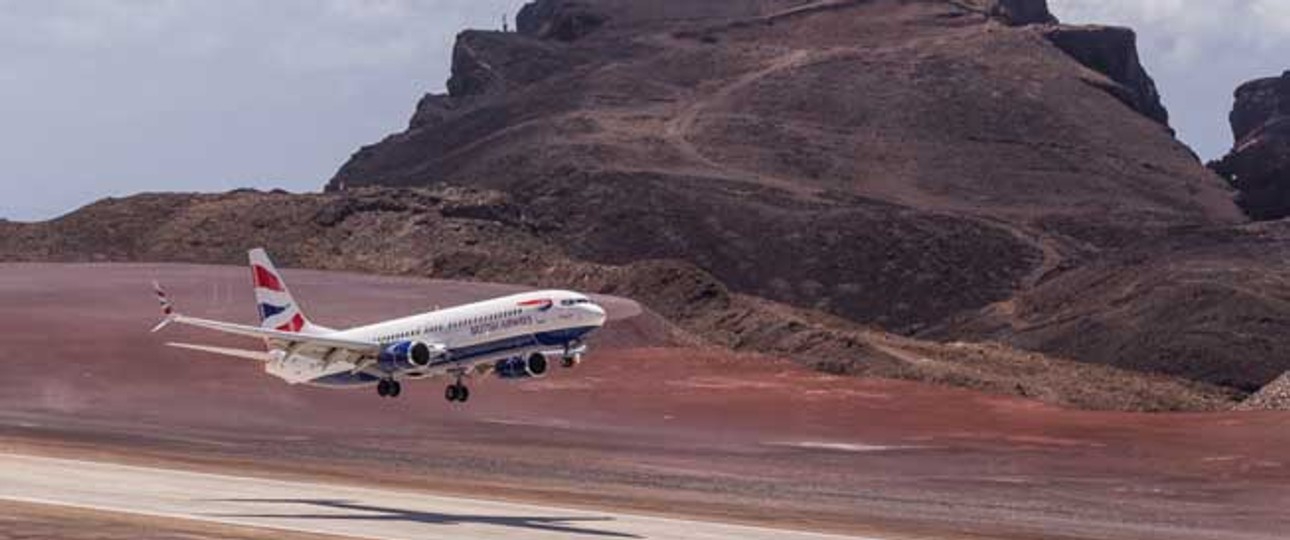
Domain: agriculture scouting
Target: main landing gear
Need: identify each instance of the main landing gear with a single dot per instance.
(457, 392)
(389, 388)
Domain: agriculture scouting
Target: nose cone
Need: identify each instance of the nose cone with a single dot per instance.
(596, 313)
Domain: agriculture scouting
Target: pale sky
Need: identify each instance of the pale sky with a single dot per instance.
(1198, 51)
(114, 97)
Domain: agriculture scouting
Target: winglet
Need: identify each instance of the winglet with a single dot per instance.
(167, 307)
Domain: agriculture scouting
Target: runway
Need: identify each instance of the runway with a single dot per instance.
(332, 509)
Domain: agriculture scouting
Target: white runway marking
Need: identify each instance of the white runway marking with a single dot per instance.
(846, 447)
(332, 509)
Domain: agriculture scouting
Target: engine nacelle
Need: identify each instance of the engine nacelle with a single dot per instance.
(407, 355)
(535, 366)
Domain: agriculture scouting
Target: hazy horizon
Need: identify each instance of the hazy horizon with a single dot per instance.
(109, 99)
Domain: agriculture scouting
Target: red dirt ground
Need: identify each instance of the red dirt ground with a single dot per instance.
(644, 424)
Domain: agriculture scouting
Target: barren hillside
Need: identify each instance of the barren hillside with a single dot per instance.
(458, 233)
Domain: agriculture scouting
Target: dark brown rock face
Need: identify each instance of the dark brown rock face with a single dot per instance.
(1257, 103)
(1259, 164)
(1021, 12)
(493, 62)
(558, 19)
(883, 160)
(1113, 52)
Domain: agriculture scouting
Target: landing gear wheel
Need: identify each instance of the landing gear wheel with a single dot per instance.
(396, 388)
(383, 388)
(456, 392)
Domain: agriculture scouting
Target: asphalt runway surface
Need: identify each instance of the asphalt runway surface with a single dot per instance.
(333, 509)
(650, 424)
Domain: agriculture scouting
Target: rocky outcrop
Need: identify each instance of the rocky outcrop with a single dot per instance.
(492, 62)
(1020, 12)
(1259, 102)
(1110, 51)
(563, 20)
(1259, 164)
(1113, 52)
(1273, 397)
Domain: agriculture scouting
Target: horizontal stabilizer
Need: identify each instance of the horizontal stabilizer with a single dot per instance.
(360, 347)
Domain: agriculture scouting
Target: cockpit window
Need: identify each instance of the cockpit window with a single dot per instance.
(574, 301)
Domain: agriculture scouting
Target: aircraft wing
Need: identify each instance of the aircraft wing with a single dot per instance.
(289, 339)
(261, 356)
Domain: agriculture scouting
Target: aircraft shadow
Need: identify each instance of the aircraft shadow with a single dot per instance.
(566, 525)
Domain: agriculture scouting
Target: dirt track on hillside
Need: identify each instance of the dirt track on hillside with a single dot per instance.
(643, 424)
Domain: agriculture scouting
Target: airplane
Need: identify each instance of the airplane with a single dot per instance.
(514, 337)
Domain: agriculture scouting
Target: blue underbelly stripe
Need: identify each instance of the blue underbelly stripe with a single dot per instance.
(465, 354)
(545, 339)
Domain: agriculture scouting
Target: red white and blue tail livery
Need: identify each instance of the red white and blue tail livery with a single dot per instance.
(514, 337)
(277, 309)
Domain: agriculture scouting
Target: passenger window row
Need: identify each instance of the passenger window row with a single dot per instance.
(451, 325)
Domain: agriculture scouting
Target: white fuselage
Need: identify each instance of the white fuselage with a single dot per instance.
(466, 336)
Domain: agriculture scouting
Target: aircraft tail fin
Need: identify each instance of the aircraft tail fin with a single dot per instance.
(277, 308)
(167, 307)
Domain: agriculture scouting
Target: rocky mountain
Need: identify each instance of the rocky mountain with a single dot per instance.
(896, 163)
(1259, 164)
(959, 191)
(946, 169)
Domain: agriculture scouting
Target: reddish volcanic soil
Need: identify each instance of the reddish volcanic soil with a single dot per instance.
(645, 424)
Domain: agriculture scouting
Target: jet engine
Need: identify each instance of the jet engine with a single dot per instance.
(534, 366)
(407, 355)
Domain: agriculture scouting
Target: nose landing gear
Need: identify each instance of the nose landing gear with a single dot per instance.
(389, 388)
(571, 360)
(572, 354)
